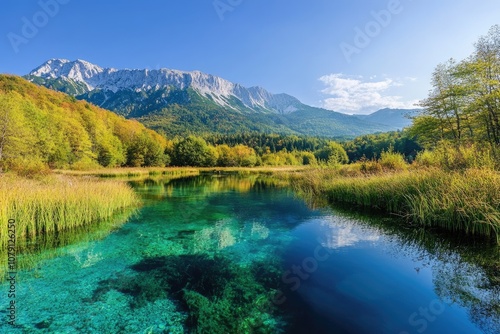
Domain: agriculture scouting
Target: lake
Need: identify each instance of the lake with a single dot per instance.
(244, 254)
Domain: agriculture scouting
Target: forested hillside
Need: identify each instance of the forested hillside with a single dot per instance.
(40, 127)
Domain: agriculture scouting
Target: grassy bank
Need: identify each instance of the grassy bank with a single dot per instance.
(173, 171)
(132, 172)
(58, 203)
(466, 201)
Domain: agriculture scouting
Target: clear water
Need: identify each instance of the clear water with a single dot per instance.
(229, 254)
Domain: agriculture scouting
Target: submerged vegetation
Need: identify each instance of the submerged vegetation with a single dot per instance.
(220, 267)
(220, 296)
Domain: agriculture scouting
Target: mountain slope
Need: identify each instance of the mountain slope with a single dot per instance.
(395, 118)
(178, 102)
(44, 127)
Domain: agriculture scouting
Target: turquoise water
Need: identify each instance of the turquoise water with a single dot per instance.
(233, 254)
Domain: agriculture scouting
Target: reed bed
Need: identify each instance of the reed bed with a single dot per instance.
(132, 172)
(466, 201)
(175, 171)
(254, 170)
(53, 245)
(58, 203)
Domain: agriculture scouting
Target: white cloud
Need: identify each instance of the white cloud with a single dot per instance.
(355, 95)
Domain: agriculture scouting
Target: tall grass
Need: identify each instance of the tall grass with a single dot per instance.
(448, 157)
(52, 245)
(58, 203)
(467, 201)
(131, 172)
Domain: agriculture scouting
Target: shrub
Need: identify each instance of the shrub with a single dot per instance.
(85, 163)
(194, 151)
(351, 170)
(282, 158)
(427, 159)
(308, 158)
(28, 167)
(332, 154)
(371, 167)
(392, 161)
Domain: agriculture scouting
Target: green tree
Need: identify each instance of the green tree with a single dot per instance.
(463, 107)
(144, 151)
(194, 151)
(332, 153)
(226, 155)
(308, 158)
(485, 74)
(245, 156)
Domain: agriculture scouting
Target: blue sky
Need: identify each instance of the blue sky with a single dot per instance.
(313, 50)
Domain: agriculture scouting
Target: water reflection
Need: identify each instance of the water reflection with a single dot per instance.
(48, 246)
(343, 232)
(209, 254)
(465, 272)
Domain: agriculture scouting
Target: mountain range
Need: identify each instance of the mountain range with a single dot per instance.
(178, 102)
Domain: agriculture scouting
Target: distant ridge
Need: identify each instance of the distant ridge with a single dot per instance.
(395, 118)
